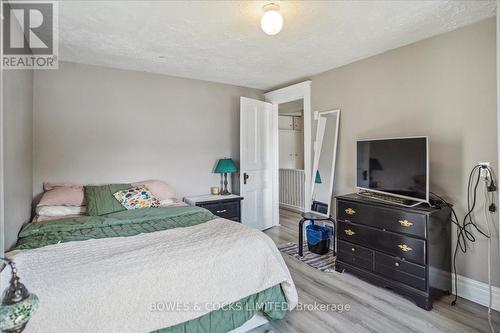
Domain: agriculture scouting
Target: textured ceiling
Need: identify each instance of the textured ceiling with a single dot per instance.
(222, 41)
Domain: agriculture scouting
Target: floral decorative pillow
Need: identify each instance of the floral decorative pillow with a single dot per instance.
(136, 197)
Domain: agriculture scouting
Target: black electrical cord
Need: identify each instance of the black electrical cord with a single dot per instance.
(460, 235)
(463, 234)
(492, 187)
(470, 207)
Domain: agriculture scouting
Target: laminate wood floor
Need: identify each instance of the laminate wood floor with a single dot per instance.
(373, 309)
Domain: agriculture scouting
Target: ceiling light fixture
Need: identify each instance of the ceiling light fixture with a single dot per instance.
(272, 21)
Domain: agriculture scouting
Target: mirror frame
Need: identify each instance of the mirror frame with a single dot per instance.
(317, 116)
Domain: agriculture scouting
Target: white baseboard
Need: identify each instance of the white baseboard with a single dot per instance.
(295, 209)
(477, 292)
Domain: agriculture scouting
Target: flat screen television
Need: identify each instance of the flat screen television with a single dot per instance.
(397, 167)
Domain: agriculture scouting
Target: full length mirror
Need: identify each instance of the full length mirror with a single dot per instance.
(325, 154)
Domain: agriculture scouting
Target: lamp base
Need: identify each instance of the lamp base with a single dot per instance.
(224, 190)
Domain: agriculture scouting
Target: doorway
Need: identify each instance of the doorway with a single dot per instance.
(291, 174)
(291, 155)
(260, 153)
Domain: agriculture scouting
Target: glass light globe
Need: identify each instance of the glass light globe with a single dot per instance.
(271, 22)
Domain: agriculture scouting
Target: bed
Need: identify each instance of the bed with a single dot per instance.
(168, 269)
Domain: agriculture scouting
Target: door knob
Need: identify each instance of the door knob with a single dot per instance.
(245, 177)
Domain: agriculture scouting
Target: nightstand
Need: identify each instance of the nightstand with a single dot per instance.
(226, 206)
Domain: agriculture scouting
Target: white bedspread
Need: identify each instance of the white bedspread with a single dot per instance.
(114, 284)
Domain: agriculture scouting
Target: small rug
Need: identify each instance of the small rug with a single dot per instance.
(325, 262)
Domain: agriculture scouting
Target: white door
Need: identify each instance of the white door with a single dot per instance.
(298, 150)
(285, 123)
(287, 149)
(256, 163)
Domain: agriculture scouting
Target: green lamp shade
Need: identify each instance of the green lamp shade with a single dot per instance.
(225, 165)
(318, 178)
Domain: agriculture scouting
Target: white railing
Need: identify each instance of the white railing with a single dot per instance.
(292, 189)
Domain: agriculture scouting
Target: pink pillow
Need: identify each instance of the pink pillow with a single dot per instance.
(158, 188)
(51, 186)
(63, 196)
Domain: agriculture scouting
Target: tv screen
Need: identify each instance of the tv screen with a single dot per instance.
(394, 166)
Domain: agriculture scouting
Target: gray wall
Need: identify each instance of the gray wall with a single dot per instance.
(18, 151)
(97, 125)
(443, 87)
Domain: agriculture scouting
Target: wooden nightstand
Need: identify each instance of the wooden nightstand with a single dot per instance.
(226, 206)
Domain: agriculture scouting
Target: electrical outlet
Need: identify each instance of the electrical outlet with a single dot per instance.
(484, 171)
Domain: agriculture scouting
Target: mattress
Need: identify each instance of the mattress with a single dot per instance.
(112, 270)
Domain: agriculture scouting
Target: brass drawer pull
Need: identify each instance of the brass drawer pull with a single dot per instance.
(405, 248)
(350, 211)
(353, 249)
(221, 211)
(396, 264)
(349, 232)
(405, 223)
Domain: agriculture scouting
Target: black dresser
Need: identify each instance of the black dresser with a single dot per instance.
(226, 206)
(404, 249)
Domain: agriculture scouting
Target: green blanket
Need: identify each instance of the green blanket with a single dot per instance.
(120, 224)
(271, 302)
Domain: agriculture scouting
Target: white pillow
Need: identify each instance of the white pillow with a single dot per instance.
(167, 202)
(174, 202)
(41, 219)
(60, 210)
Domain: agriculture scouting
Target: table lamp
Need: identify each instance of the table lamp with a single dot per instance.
(17, 304)
(225, 166)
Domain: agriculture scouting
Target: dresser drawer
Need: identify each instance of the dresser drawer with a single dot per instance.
(397, 220)
(402, 271)
(401, 246)
(355, 254)
(228, 210)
